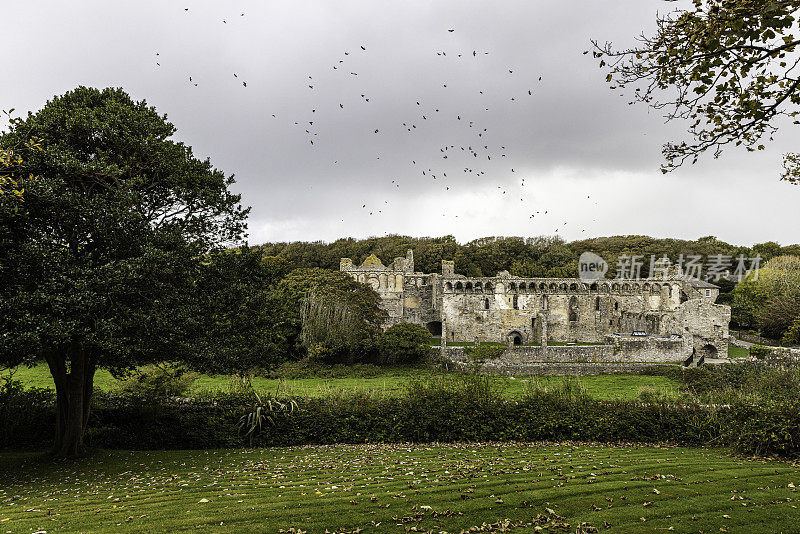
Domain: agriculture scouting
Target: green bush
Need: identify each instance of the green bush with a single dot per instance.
(158, 382)
(403, 343)
(27, 416)
(792, 335)
(761, 352)
(444, 409)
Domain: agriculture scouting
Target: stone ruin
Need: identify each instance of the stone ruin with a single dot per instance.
(665, 319)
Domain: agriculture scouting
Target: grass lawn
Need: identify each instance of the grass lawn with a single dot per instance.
(436, 343)
(737, 352)
(616, 386)
(398, 488)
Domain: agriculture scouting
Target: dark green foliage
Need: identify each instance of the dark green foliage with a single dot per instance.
(759, 351)
(102, 259)
(751, 381)
(531, 257)
(263, 414)
(26, 415)
(779, 313)
(444, 409)
(334, 295)
(792, 334)
(404, 343)
(158, 382)
(239, 323)
(769, 301)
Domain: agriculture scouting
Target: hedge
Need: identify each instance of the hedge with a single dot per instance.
(427, 413)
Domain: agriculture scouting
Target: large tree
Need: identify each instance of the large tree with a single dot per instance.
(101, 261)
(728, 68)
(331, 310)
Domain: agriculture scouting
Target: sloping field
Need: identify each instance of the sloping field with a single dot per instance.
(401, 488)
(394, 381)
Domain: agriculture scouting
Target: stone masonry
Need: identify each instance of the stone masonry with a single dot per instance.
(535, 311)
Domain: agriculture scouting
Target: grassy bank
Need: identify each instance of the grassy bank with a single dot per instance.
(390, 488)
(390, 381)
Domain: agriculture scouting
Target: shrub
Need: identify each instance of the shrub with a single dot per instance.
(158, 382)
(792, 334)
(445, 408)
(27, 416)
(761, 352)
(265, 411)
(404, 343)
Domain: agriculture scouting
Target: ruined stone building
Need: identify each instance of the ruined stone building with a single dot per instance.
(529, 311)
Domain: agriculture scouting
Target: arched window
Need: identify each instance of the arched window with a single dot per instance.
(485, 304)
(516, 302)
(522, 286)
(459, 286)
(448, 286)
(573, 309)
(544, 302)
(488, 286)
(616, 306)
(597, 304)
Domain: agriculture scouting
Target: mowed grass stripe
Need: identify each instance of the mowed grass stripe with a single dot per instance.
(152, 498)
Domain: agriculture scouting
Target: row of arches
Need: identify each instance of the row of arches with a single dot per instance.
(573, 306)
(469, 287)
(382, 282)
(532, 287)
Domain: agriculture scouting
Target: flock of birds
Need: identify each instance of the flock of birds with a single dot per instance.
(471, 157)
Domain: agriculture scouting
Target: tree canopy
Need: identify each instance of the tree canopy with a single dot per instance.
(101, 260)
(330, 312)
(12, 182)
(542, 256)
(728, 68)
(770, 299)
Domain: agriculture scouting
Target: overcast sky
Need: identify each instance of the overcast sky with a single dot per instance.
(572, 148)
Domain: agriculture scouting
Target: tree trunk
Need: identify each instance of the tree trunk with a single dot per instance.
(73, 398)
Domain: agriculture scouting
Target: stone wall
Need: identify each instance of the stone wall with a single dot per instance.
(505, 307)
(567, 360)
(617, 350)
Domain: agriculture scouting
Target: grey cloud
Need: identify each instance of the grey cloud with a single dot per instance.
(571, 130)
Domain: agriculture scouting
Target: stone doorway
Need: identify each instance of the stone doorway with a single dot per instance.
(515, 337)
(435, 328)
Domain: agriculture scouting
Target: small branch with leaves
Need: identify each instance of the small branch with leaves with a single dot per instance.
(726, 67)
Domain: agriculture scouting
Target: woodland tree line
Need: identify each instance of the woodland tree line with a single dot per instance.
(768, 302)
(543, 256)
